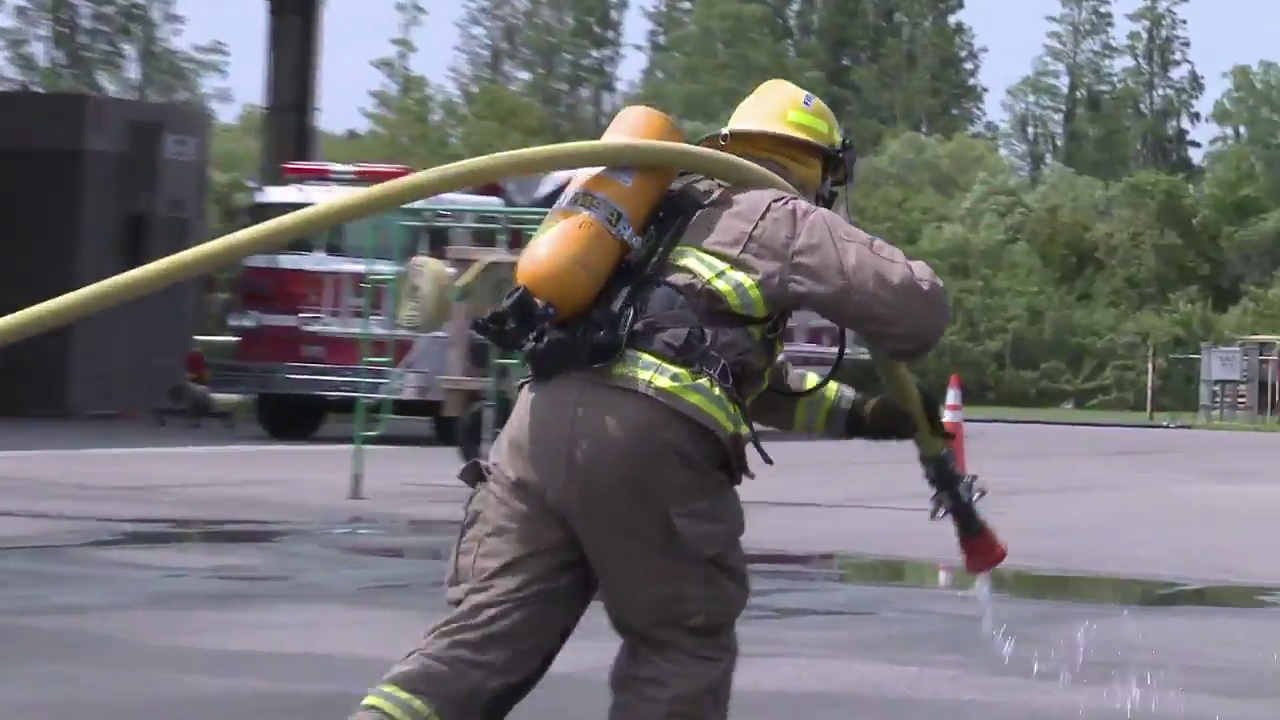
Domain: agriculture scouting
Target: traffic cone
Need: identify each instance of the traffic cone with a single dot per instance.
(953, 422)
(945, 578)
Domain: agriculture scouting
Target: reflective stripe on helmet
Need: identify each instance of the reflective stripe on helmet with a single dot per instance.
(698, 391)
(738, 288)
(397, 704)
(814, 122)
(813, 411)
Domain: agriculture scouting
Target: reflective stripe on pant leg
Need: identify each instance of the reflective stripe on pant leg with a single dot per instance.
(679, 383)
(397, 704)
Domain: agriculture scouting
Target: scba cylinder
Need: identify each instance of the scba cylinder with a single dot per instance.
(598, 220)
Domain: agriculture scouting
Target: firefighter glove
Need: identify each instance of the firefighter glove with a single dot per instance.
(882, 418)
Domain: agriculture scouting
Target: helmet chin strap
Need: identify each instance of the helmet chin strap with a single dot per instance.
(826, 195)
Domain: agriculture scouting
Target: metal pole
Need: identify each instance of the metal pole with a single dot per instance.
(1206, 383)
(1274, 382)
(355, 490)
(1252, 375)
(288, 131)
(1151, 381)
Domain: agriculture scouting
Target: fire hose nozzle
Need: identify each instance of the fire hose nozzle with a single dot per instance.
(968, 491)
(983, 553)
(955, 496)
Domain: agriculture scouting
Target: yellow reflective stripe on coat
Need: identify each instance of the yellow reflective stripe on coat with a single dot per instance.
(738, 288)
(700, 392)
(397, 704)
(813, 411)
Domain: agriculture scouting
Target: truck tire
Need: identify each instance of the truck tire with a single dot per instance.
(290, 417)
(446, 429)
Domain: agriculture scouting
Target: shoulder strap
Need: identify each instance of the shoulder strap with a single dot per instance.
(682, 202)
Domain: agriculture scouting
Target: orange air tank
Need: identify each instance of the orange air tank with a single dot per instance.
(597, 221)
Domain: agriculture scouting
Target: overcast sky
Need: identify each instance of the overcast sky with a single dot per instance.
(1223, 33)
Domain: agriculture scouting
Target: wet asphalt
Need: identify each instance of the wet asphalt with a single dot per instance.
(226, 577)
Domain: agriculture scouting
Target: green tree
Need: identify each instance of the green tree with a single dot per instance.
(1070, 109)
(883, 67)
(927, 64)
(62, 45)
(1248, 115)
(1032, 136)
(407, 113)
(122, 48)
(492, 111)
(710, 55)
(488, 48)
(571, 50)
(1164, 86)
(890, 67)
(160, 66)
(1240, 192)
(665, 18)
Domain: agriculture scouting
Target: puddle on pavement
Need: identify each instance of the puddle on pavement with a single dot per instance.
(413, 539)
(132, 520)
(433, 540)
(152, 537)
(1028, 585)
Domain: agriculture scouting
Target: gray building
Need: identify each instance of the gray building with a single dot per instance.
(91, 187)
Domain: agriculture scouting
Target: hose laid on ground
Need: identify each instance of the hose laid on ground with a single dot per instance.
(223, 251)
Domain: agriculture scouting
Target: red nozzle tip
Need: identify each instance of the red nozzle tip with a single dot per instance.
(983, 553)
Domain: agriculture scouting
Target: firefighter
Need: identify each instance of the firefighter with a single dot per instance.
(623, 478)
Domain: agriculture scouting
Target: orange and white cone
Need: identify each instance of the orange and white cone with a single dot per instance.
(953, 422)
(945, 577)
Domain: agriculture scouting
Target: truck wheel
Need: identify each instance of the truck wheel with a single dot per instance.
(471, 428)
(290, 417)
(446, 429)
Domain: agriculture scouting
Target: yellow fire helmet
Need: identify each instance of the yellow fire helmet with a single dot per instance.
(783, 123)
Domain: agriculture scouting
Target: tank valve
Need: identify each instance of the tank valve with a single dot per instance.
(512, 325)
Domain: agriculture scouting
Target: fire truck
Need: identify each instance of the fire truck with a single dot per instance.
(317, 327)
(316, 321)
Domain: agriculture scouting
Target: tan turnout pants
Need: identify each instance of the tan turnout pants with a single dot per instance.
(589, 487)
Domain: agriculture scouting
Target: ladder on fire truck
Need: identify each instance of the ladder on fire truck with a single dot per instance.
(480, 380)
(377, 295)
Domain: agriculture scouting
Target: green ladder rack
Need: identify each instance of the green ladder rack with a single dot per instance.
(373, 410)
(502, 370)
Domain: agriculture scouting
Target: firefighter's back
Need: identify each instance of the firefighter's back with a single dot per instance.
(728, 269)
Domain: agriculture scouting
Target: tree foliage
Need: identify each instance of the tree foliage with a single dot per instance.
(123, 48)
(1083, 224)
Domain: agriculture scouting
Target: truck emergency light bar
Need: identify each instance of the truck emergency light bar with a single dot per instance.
(337, 172)
(371, 173)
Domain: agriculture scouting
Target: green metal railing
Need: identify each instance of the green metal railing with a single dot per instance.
(503, 369)
(373, 412)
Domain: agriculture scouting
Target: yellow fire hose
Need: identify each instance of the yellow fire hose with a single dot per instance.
(215, 254)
